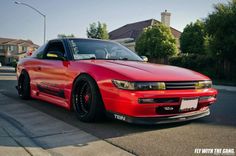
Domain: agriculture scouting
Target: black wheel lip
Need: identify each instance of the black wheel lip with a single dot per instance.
(97, 109)
(23, 86)
(20, 86)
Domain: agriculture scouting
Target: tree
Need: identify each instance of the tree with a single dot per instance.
(98, 31)
(65, 36)
(192, 40)
(156, 41)
(220, 26)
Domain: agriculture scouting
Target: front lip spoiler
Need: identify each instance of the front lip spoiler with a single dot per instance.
(161, 120)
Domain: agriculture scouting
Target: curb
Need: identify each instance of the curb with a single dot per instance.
(41, 134)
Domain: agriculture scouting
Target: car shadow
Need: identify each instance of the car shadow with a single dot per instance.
(107, 128)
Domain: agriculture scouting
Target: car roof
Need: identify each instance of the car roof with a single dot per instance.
(90, 39)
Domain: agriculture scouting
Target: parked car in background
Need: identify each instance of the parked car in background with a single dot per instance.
(96, 77)
(0, 64)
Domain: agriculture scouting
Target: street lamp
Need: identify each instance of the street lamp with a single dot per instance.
(44, 16)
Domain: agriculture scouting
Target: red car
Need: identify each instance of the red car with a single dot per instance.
(96, 77)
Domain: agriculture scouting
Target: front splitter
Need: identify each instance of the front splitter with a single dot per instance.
(161, 120)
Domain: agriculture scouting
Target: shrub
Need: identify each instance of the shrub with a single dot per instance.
(200, 63)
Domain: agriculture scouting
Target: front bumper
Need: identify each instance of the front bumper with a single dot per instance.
(128, 102)
(161, 120)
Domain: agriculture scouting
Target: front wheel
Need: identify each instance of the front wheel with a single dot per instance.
(87, 101)
(24, 86)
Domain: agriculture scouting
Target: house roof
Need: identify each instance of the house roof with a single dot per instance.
(10, 41)
(133, 30)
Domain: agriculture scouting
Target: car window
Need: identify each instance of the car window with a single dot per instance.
(39, 52)
(55, 46)
(98, 49)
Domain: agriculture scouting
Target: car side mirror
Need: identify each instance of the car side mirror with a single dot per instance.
(145, 59)
(56, 55)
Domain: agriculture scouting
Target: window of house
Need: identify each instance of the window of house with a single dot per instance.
(24, 49)
(12, 48)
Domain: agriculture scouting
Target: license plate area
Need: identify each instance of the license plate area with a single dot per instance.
(188, 104)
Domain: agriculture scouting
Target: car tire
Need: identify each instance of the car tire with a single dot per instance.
(87, 100)
(24, 86)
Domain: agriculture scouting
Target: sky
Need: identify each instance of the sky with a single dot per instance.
(74, 16)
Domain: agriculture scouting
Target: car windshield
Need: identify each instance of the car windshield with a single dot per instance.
(84, 49)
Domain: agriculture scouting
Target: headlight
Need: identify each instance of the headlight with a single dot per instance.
(203, 84)
(139, 85)
(123, 84)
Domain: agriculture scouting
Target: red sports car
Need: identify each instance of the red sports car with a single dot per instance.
(97, 78)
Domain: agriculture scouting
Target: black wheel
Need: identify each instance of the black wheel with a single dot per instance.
(24, 86)
(87, 101)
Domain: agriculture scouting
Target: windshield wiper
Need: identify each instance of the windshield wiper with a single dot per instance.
(92, 58)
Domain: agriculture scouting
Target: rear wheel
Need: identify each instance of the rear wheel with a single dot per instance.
(87, 101)
(24, 86)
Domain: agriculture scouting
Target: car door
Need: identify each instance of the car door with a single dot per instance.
(53, 70)
(34, 68)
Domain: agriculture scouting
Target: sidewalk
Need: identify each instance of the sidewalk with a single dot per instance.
(27, 131)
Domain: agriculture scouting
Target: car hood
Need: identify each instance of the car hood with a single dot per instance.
(143, 71)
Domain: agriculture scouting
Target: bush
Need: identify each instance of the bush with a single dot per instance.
(200, 63)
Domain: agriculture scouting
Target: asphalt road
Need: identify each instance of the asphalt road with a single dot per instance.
(215, 131)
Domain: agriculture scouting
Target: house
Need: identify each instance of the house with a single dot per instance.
(14, 49)
(129, 33)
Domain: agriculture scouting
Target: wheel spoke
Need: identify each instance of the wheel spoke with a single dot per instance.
(83, 98)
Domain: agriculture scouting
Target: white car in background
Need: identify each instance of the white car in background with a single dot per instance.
(0, 64)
